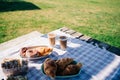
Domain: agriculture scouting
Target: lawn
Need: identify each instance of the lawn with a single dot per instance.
(99, 19)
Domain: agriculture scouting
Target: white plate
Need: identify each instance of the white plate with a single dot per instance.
(37, 57)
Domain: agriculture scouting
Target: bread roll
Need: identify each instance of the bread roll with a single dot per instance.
(62, 63)
(72, 69)
(50, 67)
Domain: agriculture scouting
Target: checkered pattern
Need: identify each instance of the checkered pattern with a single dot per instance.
(98, 64)
(94, 61)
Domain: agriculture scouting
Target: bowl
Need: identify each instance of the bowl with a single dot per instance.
(13, 67)
(67, 76)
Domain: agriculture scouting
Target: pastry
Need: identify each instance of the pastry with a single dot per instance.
(61, 67)
(72, 69)
(62, 63)
(32, 53)
(44, 50)
(35, 51)
(23, 51)
(50, 67)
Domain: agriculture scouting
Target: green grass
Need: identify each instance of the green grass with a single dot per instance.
(99, 19)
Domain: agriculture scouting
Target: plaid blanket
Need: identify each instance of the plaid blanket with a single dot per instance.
(98, 64)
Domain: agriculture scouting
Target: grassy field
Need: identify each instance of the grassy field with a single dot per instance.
(99, 19)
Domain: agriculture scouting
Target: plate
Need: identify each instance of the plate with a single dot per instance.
(37, 57)
(68, 76)
(32, 58)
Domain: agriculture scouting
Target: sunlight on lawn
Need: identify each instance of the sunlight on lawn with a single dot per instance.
(98, 19)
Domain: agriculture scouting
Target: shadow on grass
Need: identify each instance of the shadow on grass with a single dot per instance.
(16, 6)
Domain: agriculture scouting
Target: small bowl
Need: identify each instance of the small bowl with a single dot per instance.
(21, 70)
(67, 76)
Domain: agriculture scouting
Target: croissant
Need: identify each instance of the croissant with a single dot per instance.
(50, 67)
(72, 69)
(44, 50)
(62, 63)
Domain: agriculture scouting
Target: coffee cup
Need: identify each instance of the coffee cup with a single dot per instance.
(51, 37)
(63, 42)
